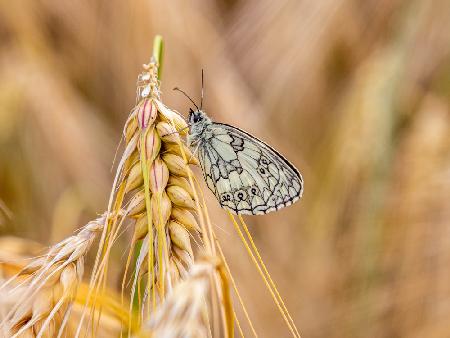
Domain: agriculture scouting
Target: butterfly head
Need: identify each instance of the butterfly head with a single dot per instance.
(198, 121)
(197, 117)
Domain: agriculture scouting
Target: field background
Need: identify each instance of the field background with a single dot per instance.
(355, 93)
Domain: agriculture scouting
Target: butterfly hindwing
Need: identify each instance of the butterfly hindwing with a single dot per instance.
(246, 175)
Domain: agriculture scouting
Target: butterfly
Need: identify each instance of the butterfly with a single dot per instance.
(247, 176)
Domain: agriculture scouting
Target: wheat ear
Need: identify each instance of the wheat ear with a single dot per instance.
(151, 191)
(185, 312)
(48, 286)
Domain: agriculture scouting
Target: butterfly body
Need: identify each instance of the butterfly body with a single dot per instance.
(246, 175)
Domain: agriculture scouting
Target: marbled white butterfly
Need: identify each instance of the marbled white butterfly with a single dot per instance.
(246, 175)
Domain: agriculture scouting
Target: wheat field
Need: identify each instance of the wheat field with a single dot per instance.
(355, 94)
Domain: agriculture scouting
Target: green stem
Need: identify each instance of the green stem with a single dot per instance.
(158, 50)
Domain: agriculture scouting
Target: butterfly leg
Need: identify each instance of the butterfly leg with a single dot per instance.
(194, 152)
(177, 131)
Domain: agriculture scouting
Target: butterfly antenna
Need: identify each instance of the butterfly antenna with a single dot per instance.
(176, 88)
(201, 100)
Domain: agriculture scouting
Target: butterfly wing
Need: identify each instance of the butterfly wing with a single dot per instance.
(246, 175)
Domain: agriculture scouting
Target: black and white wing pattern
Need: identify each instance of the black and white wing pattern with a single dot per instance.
(246, 175)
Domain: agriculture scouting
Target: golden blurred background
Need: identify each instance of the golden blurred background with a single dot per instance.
(355, 93)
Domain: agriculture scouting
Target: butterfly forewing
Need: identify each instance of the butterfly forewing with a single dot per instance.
(246, 175)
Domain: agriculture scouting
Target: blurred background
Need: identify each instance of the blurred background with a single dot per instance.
(355, 93)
